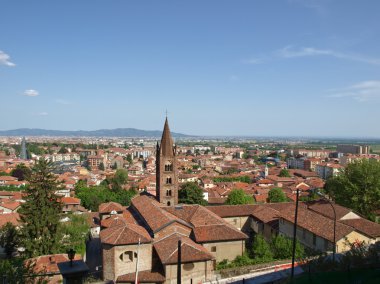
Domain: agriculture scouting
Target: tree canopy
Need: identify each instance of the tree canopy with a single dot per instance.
(238, 196)
(276, 195)
(357, 187)
(191, 193)
(9, 238)
(284, 173)
(21, 172)
(40, 212)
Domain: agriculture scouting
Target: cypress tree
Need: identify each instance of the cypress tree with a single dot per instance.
(40, 213)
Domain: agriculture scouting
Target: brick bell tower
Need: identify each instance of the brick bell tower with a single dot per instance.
(166, 169)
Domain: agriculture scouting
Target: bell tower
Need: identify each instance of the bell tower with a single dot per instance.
(166, 169)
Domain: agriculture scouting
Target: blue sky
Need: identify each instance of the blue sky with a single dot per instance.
(285, 67)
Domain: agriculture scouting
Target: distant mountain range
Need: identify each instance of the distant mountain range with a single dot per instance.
(118, 132)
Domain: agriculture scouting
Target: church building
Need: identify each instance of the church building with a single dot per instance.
(144, 237)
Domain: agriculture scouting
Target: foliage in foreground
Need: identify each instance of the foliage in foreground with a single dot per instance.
(357, 187)
(279, 247)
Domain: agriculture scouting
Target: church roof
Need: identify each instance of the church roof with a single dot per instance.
(166, 147)
(207, 226)
(154, 216)
(167, 250)
(109, 207)
(125, 235)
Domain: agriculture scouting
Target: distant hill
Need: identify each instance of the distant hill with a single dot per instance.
(118, 132)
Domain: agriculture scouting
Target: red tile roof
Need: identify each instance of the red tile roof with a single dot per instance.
(364, 226)
(316, 223)
(143, 276)
(13, 218)
(109, 207)
(124, 235)
(167, 250)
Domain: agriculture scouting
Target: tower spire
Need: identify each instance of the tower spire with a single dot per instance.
(166, 169)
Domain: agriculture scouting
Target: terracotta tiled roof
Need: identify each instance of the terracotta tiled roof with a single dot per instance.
(232, 210)
(11, 205)
(114, 220)
(143, 276)
(324, 208)
(152, 213)
(10, 217)
(261, 197)
(109, 207)
(124, 235)
(364, 226)
(265, 214)
(167, 250)
(49, 263)
(218, 232)
(316, 223)
(207, 226)
(70, 200)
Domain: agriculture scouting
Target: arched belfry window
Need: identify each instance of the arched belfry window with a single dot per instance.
(168, 166)
(168, 180)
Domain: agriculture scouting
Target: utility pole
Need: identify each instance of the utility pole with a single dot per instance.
(179, 262)
(137, 262)
(295, 234)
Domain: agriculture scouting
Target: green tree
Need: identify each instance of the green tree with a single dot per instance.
(74, 233)
(261, 249)
(63, 150)
(119, 180)
(276, 195)
(21, 172)
(40, 212)
(101, 166)
(282, 248)
(284, 173)
(9, 238)
(191, 193)
(238, 196)
(357, 187)
(129, 158)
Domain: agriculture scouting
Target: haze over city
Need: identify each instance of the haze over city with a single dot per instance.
(252, 68)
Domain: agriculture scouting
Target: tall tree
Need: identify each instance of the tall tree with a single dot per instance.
(9, 238)
(21, 172)
(284, 173)
(40, 212)
(357, 187)
(191, 193)
(276, 195)
(238, 196)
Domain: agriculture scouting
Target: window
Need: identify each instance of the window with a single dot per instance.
(213, 249)
(168, 167)
(168, 203)
(169, 192)
(126, 256)
(168, 180)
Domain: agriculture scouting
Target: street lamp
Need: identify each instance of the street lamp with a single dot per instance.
(71, 255)
(334, 236)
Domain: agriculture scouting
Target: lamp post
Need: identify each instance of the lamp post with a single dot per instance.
(71, 255)
(334, 233)
(295, 233)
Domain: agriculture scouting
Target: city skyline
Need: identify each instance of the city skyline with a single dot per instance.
(221, 68)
